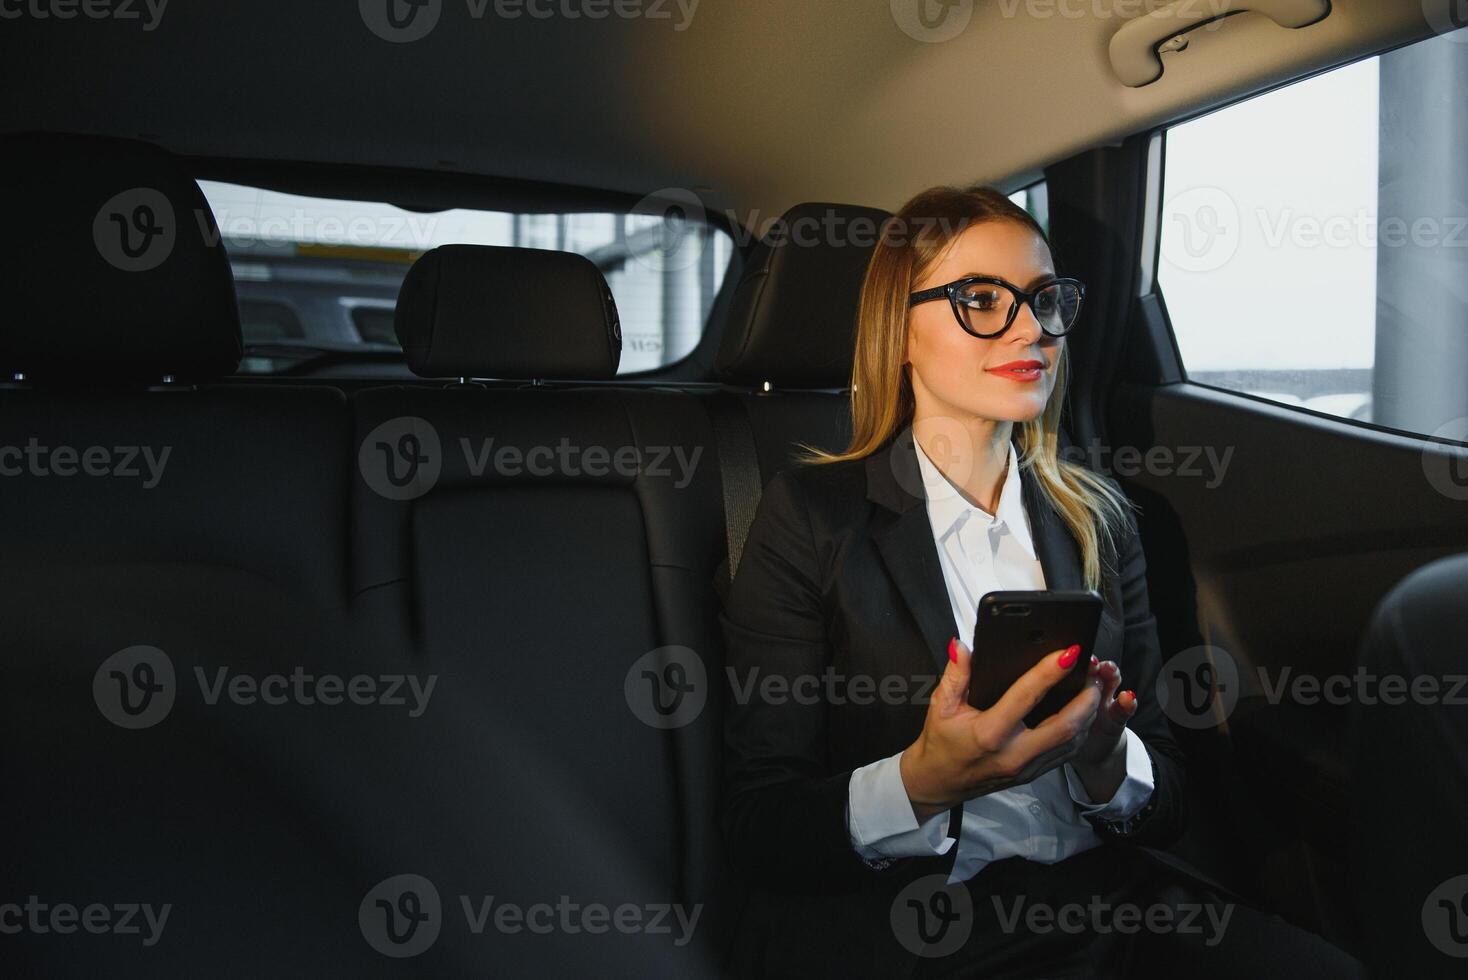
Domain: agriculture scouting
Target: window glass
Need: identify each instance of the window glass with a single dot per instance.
(316, 274)
(1314, 241)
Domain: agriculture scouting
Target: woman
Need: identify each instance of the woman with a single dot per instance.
(885, 826)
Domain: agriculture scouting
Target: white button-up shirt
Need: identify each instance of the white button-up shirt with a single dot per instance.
(1042, 820)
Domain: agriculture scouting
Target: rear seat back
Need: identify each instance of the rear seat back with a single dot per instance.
(787, 348)
(547, 552)
(205, 525)
(538, 558)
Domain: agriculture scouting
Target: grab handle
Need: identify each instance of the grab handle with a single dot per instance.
(1134, 47)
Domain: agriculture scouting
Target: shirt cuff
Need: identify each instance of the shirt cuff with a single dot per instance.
(880, 820)
(1133, 793)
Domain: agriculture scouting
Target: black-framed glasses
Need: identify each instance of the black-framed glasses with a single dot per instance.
(985, 306)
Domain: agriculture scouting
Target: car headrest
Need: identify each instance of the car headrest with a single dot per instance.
(114, 267)
(486, 312)
(792, 321)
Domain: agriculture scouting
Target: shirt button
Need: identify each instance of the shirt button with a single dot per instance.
(1037, 809)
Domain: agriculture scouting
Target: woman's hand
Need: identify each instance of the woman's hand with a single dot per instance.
(964, 752)
(1101, 760)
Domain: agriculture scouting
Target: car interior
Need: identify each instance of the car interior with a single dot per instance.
(386, 391)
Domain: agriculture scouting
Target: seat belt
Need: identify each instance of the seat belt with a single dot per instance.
(739, 473)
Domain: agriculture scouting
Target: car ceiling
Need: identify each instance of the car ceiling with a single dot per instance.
(754, 105)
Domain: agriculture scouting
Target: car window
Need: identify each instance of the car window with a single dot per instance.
(1314, 242)
(316, 274)
(1036, 200)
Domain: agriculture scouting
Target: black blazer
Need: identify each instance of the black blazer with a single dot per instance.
(840, 579)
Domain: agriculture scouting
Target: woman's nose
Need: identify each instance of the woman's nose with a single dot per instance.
(1026, 325)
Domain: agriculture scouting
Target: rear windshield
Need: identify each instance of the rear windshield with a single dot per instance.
(317, 276)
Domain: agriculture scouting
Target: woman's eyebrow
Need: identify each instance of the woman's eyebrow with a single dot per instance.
(1031, 286)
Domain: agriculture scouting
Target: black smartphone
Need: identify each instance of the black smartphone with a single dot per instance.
(1015, 630)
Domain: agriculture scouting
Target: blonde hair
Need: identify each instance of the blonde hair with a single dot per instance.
(912, 241)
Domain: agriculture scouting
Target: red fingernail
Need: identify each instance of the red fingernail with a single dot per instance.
(1094, 660)
(1132, 693)
(953, 650)
(1070, 656)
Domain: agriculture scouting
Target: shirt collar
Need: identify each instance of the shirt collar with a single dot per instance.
(947, 507)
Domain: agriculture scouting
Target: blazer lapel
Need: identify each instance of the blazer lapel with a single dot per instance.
(1055, 546)
(904, 539)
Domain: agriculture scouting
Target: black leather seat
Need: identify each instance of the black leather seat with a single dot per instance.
(1409, 760)
(536, 558)
(787, 348)
(205, 523)
(554, 547)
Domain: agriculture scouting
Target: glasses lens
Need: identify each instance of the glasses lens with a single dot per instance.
(1057, 306)
(984, 306)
